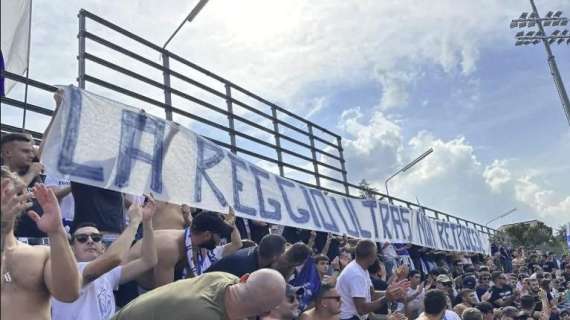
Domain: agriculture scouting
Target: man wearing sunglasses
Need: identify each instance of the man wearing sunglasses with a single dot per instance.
(502, 294)
(327, 305)
(101, 269)
(288, 309)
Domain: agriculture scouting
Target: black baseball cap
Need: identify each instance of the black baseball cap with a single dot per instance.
(213, 222)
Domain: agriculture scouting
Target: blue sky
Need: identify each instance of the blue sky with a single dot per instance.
(392, 77)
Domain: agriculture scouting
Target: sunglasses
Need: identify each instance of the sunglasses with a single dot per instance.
(82, 238)
(292, 298)
(483, 279)
(337, 298)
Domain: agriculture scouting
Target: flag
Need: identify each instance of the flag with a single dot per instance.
(309, 279)
(15, 37)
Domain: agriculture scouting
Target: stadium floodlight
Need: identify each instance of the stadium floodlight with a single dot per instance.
(536, 36)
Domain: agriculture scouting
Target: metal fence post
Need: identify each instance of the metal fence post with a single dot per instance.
(81, 56)
(314, 154)
(343, 166)
(277, 141)
(167, 90)
(232, 131)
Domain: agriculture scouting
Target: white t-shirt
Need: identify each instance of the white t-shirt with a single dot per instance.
(67, 204)
(451, 315)
(389, 252)
(96, 300)
(353, 282)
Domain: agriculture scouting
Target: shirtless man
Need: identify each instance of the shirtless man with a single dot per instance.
(32, 274)
(203, 239)
(169, 216)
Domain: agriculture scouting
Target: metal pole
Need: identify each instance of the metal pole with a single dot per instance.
(553, 67)
(189, 18)
(501, 216)
(167, 88)
(81, 56)
(27, 69)
(407, 167)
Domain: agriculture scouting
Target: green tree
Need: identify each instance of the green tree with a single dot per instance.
(539, 236)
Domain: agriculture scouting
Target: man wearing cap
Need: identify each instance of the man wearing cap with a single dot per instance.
(288, 309)
(445, 284)
(193, 250)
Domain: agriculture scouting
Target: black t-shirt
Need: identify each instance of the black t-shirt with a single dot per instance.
(481, 291)
(100, 206)
(381, 285)
(242, 262)
(25, 226)
(549, 266)
(500, 293)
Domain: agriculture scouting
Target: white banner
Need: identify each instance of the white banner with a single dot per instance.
(104, 143)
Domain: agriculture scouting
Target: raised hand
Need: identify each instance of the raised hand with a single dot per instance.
(50, 221)
(231, 217)
(36, 168)
(12, 201)
(397, 290)
(135, 213)
(402, 271)
(149, 209)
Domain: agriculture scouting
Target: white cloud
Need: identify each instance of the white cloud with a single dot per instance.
(496, 175)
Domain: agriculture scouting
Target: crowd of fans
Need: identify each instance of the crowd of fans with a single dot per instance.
(111, 256)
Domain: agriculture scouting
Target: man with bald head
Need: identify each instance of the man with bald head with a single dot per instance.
(211, 296)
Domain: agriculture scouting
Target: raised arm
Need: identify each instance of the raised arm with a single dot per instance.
(235, 243)
(14, 200)
(113, 256)
(135, 268)
(61, 275)
(58, 97)
(327, 245)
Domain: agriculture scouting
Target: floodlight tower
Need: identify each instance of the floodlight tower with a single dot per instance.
(534, 37)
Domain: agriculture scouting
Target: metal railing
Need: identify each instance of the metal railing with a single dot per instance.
(298, 146)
